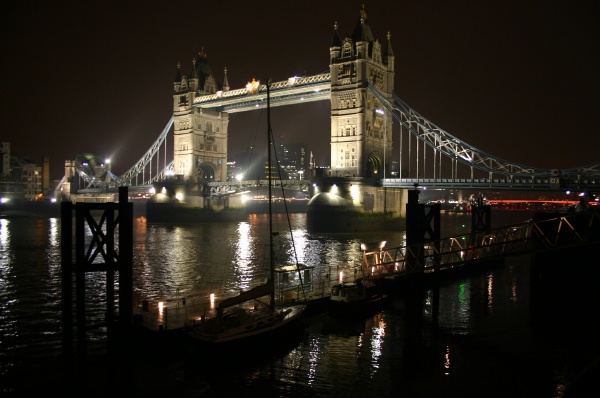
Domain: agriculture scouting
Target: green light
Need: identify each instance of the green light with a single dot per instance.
(461, 293)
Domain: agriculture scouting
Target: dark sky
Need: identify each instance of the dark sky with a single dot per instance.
(519, 80)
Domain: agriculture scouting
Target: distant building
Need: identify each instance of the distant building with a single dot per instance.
(293, 159)
(22, 179)
(31, 178)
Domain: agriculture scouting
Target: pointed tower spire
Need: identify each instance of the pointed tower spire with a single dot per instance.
(336, 45)
(194, 70)
(388, 49)
(335, 42)
(177, 80)
(388, 53)
(225, 81)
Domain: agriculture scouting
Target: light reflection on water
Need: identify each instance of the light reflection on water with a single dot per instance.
(479, 332)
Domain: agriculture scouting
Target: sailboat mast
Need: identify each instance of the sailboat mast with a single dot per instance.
(269, 171)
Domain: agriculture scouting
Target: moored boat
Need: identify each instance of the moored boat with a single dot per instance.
(253, 313)
(244, 316)
(355, 299)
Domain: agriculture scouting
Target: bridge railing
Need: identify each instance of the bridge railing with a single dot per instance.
(508, 184)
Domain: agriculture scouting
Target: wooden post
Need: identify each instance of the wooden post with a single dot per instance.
(422, 225)
(66, 269)
(125, 260)
(79, 269)
(481, 217)
(414, 230)
(102, 245)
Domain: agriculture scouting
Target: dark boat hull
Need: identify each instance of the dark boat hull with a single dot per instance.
(371, 304)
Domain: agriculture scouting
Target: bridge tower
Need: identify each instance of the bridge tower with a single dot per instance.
(361, 130)
(361, 138)
(200, 135)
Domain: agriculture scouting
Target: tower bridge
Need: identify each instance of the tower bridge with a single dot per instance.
(379, 145)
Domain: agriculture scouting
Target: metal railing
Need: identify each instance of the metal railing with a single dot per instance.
(549, 232)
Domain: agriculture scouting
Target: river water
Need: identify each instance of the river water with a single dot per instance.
(489, 337)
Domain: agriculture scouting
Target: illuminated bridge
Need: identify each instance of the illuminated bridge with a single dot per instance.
(375, 135)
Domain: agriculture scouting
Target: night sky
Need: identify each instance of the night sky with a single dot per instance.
(519, 80)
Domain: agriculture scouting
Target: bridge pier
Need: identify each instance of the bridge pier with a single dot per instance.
(176, 200)
(351, 204)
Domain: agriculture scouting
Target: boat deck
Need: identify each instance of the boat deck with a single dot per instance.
(174, 314)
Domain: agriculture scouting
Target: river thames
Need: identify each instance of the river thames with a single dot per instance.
(490, 338)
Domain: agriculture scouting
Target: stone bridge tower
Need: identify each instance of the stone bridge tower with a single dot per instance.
(200, 135)
(361, 131)
(361, 139)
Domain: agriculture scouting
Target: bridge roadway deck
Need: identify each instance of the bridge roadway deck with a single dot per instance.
(550, 232)
(220, 189)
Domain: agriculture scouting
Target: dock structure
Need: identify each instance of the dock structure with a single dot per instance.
(546, 232)
(440, 258)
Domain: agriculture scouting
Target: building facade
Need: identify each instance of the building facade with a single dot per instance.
(360, 143)
(200, 135)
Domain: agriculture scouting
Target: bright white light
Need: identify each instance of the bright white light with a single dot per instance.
(4, 200)
(354, 192)
(240, 177)
(341, 276)
(160, 307)
(107, 161)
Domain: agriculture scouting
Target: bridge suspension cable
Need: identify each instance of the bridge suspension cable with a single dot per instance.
(140, 166)
(132, 176)
(461, 152)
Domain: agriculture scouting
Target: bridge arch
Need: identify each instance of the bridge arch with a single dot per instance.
(374, 166)
(207, 171)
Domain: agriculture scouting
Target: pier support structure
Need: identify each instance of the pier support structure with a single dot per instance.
(422, 226)
(108, 252)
